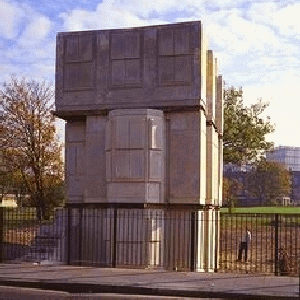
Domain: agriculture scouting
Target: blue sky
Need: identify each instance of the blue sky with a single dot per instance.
(257, 42)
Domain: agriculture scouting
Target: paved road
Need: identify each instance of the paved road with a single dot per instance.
(16, 293)
(123, 283)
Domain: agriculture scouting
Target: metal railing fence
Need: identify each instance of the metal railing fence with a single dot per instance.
(108, 235)
(24, 238)
(132, 235)
(274, 247)
(166, 236)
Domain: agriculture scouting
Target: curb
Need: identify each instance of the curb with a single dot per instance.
(84, 288)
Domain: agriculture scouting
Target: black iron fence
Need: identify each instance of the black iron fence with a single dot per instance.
(108, 235)
(168, 236)
(132, 235)
(274, 246)
(24, 238)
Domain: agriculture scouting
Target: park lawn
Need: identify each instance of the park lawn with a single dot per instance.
(263, 210)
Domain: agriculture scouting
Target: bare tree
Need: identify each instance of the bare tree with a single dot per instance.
(31, 148)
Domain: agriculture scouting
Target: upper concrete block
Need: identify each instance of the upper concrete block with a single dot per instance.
(145, 67)
(210, 85)
(219, 104)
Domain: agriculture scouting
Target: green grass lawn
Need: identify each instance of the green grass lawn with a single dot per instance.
(263, 210)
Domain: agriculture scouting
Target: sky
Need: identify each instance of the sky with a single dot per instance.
(257, 43)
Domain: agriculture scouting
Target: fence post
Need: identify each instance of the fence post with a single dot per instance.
(114, 239)
(217, 240)
(299, 279)
(276, 224)
(80, 256)
(69, 211)
(1, 234)
(193, 232)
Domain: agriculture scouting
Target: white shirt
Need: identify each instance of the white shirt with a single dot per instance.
(247, 238)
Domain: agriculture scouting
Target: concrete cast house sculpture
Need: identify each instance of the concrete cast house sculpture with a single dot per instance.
(144, 121)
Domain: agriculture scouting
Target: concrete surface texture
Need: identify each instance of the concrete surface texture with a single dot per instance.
(68, 281)
(144, 112)
(164, 68)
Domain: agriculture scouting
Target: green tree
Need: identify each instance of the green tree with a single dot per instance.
(245, 128)
(269, 182)
(232, 187)
(31, 149)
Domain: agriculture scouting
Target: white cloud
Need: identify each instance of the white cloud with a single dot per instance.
(240, 35)
(31, 46)
(36, 31)
(262, 12)
(284, 18)
(256, 42)
(287, 20)
(145, 8)
(125, 13)
(283, 95)
(11, 16)
(107, 15)
(226, 28)
(274, 63)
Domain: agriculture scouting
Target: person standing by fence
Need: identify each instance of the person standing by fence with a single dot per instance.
(244, 245)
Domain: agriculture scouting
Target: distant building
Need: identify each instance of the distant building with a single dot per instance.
(290, 158)
(243, 197)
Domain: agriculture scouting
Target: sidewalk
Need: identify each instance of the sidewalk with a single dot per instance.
(150, 282)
